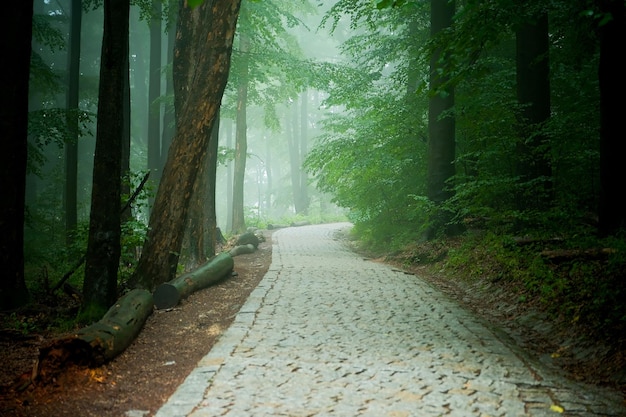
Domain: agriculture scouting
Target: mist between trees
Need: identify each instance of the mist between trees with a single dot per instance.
(412, 119)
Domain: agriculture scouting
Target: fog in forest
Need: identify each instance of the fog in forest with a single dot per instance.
(283, 118)
(412, 120)
(482, 139)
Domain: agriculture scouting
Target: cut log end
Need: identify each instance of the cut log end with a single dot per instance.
(166, 296)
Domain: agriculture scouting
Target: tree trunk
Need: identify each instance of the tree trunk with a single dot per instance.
(169, 294)
(209, 30)
(154, 92)
(241, 140)
(100, 342)
(169, 121)
(291, 125)
(303, 195)
(612, 208)
(103, 247)
(15, 37)
(71, 143)
(441, 126)
(201, 233)
(533, 96)
(229, 177)
(126, 215)
(210, 209)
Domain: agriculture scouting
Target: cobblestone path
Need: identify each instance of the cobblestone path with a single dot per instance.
(327, 333)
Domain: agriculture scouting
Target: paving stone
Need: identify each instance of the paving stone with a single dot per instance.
(327, 333)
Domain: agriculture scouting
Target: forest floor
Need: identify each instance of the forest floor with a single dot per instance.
(140, 380)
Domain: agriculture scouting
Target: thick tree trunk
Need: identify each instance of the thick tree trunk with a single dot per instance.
(201, 226)
(103, 247)
(169, 294)
(102, 341)
(208, 30)
(15, 39)
(612, 206)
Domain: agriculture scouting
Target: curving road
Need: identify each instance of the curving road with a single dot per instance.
(327, 333)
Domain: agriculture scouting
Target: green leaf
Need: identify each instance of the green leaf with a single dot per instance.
(194, 3)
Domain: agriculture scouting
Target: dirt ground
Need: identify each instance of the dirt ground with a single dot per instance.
(140, 380)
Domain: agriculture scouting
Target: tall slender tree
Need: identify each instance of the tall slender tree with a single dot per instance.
(241, 132)
(15, 39)
(71, 144)
(533, 95)
(302, 200)
(154, 92)
(103, 247)
(441, 123)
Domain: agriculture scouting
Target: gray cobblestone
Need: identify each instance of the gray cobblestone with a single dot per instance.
(327, 333)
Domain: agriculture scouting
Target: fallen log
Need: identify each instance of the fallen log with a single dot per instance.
(100, 342)
(526, 241)
(248, 238)
(241, 249)
(560, 255)
(276, 226)
(169, 294)
(299, 224)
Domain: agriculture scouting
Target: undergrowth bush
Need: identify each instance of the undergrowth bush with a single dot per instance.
(585, 291)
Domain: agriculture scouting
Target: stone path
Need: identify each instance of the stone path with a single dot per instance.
(327, 333)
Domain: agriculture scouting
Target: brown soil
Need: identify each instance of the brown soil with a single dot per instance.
(140, 380)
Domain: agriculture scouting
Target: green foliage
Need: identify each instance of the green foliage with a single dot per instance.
(22, 324)
(277, 70)
(46, 34)
(225, 155)
(371, 158)
(582, 290)
(49, 126)
(49, 256)
(194, 3)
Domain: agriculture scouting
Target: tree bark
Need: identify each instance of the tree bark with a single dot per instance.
(533, 95)
(102, 341)
(71, 143)
(207, 31)
(305, 201)
(15, 39)
(242, 249)
(169, 121)
(612, 207)
(103, 247)
(200, 233)
(169, 294)
(241, 140)
(154, 92)
(441, 126)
